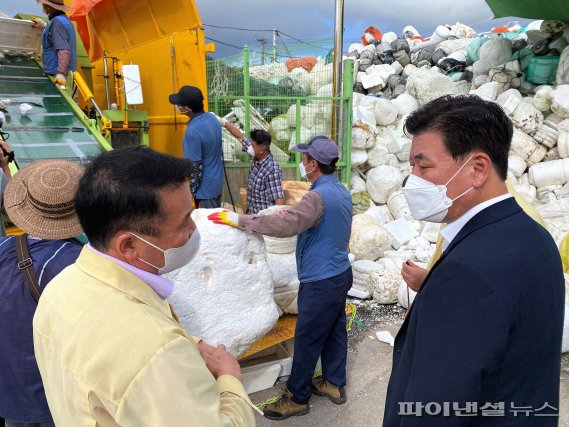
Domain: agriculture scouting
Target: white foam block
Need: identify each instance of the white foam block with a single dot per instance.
(401, 232)
(225, 295)
(356, 292)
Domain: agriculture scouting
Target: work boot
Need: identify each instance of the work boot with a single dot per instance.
(284, 408)
(321, 387)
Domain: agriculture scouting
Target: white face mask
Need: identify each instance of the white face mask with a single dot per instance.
(303, 172)
(427, 201)
(182, 109)
(175, 258)
(250, 151)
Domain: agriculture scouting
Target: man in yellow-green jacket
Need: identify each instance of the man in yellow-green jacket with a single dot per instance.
(108, 345)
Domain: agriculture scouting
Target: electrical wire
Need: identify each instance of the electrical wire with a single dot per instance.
(236, 28)
(258, 30)
(224, 43)
(302, 41)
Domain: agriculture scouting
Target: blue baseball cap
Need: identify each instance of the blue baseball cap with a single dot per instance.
(321, 148)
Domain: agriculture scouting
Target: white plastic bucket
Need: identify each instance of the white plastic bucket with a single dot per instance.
(563, 144)
(516, 165)
(537, 155)
(555, 172)
(398, 206)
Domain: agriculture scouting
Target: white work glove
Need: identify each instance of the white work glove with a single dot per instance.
(38, 23)
(60, 80)
(221, 120)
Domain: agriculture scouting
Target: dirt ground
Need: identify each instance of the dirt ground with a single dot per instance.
(369, 366)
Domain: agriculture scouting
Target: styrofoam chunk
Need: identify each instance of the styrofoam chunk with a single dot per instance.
(401, 232)
(225, 295)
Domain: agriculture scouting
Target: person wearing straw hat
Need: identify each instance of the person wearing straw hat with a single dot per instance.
(39, 200)
(109, 347)
(59, 46)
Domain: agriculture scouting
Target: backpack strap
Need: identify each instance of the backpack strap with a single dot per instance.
(25, 265)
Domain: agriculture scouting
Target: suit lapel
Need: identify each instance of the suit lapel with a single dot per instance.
(490, 215)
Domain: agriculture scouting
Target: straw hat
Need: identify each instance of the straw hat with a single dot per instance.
(39, 199)
(56, 4)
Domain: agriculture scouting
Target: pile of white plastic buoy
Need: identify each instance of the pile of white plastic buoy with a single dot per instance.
(525, 72)
(517, 73)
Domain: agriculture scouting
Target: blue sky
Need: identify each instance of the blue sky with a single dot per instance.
(314, 19)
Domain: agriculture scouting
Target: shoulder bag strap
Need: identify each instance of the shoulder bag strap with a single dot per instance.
(25, 265)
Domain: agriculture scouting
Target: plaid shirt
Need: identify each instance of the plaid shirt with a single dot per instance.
(265, 182)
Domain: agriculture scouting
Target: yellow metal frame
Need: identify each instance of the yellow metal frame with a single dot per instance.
(89, 97)
(166, 41)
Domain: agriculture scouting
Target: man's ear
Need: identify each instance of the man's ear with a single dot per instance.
(124, 246)
(483, 168)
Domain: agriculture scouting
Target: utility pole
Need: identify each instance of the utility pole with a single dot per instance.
(263, 42)
(337, 122)
(275, 40)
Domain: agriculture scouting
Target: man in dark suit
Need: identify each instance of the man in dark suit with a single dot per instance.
(481, 345)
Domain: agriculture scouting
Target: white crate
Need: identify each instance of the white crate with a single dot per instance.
(19, 35)
(261, 370)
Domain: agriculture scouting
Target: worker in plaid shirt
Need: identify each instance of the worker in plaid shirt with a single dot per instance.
(264, 186)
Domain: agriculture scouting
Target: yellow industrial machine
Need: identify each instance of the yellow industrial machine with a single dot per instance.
(165, 39)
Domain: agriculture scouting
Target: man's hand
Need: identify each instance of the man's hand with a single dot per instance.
(4, 149)
(219, 361)
(38, 23)
(413, 275)
(4, 158)
(60, 80)
(225, 217)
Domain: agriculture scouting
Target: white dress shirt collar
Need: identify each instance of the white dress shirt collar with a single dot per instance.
(450, 231)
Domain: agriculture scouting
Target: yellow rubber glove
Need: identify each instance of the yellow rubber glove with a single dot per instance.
(225, 217)
(38, 23)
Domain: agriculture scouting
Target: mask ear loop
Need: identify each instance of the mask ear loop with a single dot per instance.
(310, 171)
(147, 242)
(459, 169)
(456, 173)
(152, 245)
(467, 191)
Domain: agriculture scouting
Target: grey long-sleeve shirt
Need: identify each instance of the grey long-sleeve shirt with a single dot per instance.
(287, 223)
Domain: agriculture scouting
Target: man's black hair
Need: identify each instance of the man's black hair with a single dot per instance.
(119, 191)
(466, 123)
(261, 137)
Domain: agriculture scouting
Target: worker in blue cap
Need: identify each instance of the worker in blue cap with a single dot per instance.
(323, 221)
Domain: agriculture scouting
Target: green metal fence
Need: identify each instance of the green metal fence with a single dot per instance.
(291, 98)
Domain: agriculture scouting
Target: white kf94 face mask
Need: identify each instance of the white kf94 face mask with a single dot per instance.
(175, 258)
(302, 170)
(427, 201)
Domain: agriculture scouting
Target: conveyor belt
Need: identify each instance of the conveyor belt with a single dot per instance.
(53, 128)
